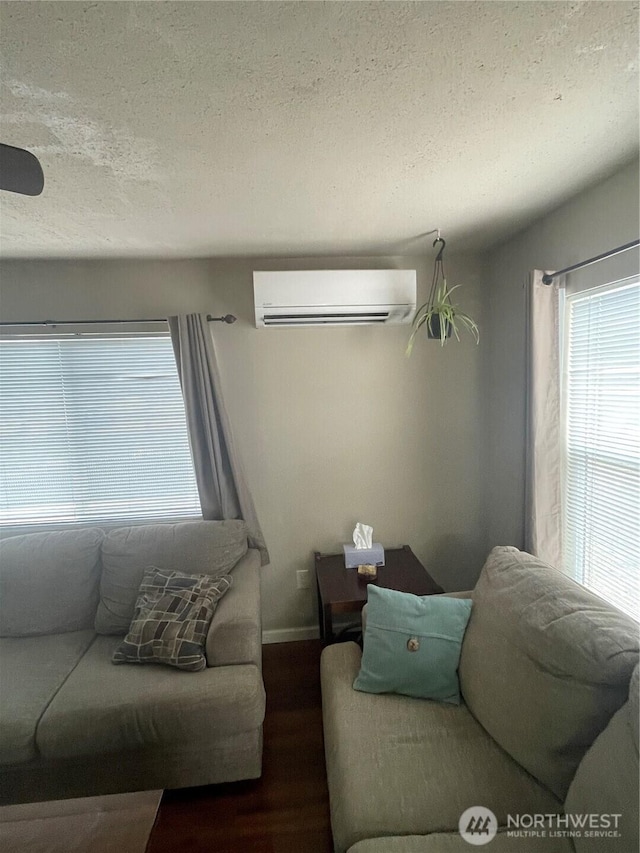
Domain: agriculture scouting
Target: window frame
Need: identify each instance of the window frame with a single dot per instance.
(573, 291)
(124, 330)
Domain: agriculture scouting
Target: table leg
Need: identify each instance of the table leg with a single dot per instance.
(327, 628)
(321, 625)
(325, 623)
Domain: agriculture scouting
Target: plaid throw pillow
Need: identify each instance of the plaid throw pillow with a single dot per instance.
(172, 616)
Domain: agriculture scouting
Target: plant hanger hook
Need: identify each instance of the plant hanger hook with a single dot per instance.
(438, 268)
(439, 239)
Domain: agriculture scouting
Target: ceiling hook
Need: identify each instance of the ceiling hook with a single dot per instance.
(439, 239)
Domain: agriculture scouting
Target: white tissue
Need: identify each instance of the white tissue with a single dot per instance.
(362, 536)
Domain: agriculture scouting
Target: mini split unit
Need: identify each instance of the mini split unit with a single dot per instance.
(334, 297)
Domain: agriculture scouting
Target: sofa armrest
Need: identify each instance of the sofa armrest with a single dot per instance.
(235, 633)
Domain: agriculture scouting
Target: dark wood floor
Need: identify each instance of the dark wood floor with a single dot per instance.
(287, 810)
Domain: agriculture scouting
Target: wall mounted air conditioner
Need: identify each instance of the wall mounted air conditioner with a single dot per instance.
(334, 297)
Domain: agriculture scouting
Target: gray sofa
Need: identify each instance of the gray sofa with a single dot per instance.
(549, 724)
(74, 724)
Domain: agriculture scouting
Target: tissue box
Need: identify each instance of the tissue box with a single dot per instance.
(354, 557)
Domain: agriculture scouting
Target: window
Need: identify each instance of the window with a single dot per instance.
(601, 400)
(92, 429)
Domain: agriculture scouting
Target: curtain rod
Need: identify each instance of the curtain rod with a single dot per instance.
(227, 318)
(547, 278)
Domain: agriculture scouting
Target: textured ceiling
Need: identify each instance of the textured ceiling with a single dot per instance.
(265, 128)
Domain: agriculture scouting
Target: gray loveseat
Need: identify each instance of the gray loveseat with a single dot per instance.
(74, 724)
(549, 723)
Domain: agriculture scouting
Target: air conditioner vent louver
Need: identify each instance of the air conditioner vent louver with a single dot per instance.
(328, 319)
(334, 297)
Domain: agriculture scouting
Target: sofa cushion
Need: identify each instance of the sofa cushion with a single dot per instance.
(442, 842)
(412, 645)
(606, 782)
(172, 618)
(106, 708)
(195, 547)
(544, 665)
(32, 669)
(49, 582)
(398, 765)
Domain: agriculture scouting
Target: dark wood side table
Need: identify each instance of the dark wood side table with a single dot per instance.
(342, 590)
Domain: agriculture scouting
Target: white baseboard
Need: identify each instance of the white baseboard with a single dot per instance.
(290, 635)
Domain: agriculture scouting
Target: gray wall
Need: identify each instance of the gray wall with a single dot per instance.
(334, 425)
(596, 220)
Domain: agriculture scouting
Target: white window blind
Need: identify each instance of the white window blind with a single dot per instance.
(92, 429)
(602, 426)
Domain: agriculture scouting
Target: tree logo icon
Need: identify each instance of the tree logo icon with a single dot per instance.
(478, 825)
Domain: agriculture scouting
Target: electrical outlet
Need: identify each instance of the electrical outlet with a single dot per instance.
(302, 579)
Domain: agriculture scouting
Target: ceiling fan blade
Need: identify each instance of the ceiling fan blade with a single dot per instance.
(20, 171)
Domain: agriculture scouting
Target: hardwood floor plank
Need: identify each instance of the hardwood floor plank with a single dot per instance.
(287, 809)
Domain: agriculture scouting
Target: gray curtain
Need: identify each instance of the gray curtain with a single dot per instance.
(221, 483)
(543, 520)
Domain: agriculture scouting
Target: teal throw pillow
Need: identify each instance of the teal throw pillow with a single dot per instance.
(412, 644)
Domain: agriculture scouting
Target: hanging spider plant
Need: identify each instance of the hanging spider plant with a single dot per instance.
(439, 314)
(442, 318)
